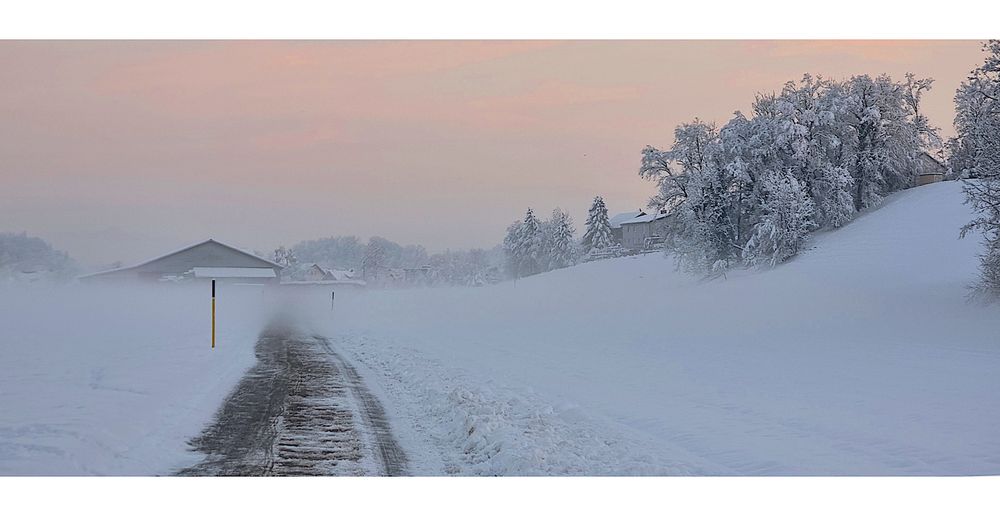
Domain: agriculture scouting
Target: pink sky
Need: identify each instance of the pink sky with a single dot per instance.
(122, 150)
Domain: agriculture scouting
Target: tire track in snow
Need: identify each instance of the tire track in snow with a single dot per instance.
(392, 457)
(301, 410)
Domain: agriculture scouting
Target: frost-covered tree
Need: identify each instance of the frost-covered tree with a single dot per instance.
(530, 245)
(466, 268)
(280, 256)
(560, 248)
(977, 122)
(598, 233)
(785, 222)
(524, 246)
(346, 252)
(819, 151)
(884, 133)
(671, 169)
(341, 252)
(510, 249)
(374, 259)
(810, 146)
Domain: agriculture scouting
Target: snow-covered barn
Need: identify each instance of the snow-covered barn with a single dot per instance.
(206, 260)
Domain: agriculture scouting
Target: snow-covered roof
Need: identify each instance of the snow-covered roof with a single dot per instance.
(223, 244)
(233, 272)
(646, 217)
(339, 275)
(162, 256)
(616, 221)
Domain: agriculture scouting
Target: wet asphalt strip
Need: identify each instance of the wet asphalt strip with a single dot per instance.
(301, 410)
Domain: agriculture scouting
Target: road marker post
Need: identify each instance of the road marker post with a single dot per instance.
(213, 314)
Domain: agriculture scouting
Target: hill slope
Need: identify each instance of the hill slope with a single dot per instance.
(858, 357)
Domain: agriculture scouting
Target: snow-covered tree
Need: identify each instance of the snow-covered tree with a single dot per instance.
(28, 258)
(530, 245)
(524, 246)
(598, 233)
(510, 249)
(671, 170)
(374, 259)
(474, 267)
(280, 256)
(816, 152)
(560, 248)
(977, 122)
(785, 222)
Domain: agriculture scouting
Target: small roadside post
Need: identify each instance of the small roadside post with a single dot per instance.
(213, 314)
(333, 296)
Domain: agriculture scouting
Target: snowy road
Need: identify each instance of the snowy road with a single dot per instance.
(301, 410)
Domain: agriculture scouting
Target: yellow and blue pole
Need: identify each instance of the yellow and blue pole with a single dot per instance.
(213, 314)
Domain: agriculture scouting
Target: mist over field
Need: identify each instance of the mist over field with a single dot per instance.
(500, 258)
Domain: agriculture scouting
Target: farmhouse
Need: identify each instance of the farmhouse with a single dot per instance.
(206, 260)
(929, 170)
(644, 231)
(616, 223)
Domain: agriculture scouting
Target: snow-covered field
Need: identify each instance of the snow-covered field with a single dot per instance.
(114, 381)
(860, 357)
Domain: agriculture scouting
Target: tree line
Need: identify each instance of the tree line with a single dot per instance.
(532, 246)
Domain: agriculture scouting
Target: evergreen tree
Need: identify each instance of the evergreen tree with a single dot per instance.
(510, 249)
(524, 246)
(530, 245)
(598, 233)
(559, 245)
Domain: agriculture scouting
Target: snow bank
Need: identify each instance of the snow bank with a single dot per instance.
(860, 356)
(451, 423)
(114, 381)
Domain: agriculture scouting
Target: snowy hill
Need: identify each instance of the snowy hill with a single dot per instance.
(860, 356)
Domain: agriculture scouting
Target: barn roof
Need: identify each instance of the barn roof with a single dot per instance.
(618, 219)
(646, 218)
(210, 240)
